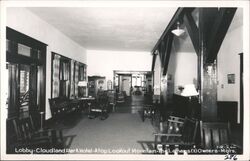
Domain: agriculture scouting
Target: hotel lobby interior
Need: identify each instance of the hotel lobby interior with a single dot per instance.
(124, 80)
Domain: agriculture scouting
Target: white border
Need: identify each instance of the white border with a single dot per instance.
(3, 87)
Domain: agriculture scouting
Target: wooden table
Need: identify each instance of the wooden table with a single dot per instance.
(86, 101)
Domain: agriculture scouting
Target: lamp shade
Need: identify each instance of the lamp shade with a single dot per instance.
(189, 90)
(82, 84)
(178, 31)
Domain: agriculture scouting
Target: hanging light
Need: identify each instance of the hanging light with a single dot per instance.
(178, 31)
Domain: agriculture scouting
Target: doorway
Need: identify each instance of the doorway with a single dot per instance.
(136, 85)
(26, 65)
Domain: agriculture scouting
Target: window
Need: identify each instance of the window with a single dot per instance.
(24, 78)
(24, 93)
(136, 80)
(64, 77)
(8, 45)
(24, 50)
(64, 70)
(82, 72)
(66, 74)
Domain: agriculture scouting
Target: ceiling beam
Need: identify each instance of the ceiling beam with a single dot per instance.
(162, 52)
(220, 27)
(169, 43)
(193, 30)
(153, 62)
(166, 47)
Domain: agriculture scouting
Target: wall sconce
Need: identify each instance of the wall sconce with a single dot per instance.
(178, 31)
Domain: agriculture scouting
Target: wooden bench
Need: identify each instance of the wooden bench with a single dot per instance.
(61, 106)
(217, 136)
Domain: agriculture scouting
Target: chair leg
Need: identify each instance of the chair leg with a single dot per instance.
(114, 110)
(104, 114)
(143, 114)
(156, 142)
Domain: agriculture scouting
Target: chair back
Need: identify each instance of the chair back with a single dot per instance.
(19, 129)
(180, 131)
(214, 134)
(12, 130)
(25, 128)
(102, 97)
(111, 96)
(175, 125)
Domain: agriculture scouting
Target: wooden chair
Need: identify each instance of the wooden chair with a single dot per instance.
(217, 136)
(99, 107)
(180, 133)
(148, 112)
(120, 97)
(21, 133)
(111, 99)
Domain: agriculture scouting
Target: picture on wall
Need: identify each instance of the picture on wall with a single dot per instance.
(231, 78)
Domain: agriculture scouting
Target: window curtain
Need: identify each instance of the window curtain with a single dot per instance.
(76, 78)
(56, 80)
(72, 80)
(85, 73)
(85, 79)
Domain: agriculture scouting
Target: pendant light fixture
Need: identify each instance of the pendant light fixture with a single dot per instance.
(178, 31)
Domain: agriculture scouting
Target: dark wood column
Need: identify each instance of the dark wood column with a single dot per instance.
(213, 26)
(208, 77)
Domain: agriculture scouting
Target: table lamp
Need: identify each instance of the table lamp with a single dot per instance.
(189, 91)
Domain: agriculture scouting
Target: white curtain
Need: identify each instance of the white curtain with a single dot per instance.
(56, 81)
(76, 78)
(72, 80)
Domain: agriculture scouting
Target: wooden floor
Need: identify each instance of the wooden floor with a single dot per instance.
(123, 129)
(132, 104)
(120, 131)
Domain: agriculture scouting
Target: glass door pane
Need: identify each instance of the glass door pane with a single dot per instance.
(24, 82)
